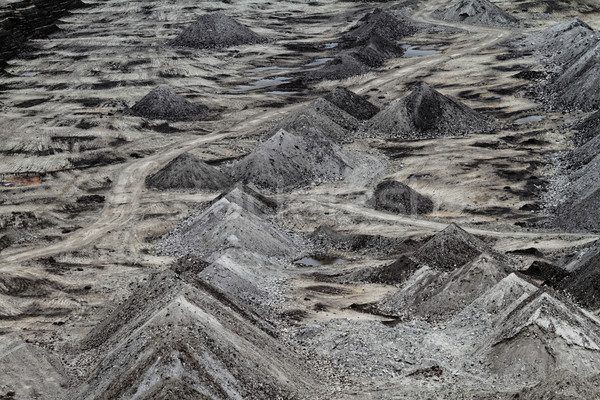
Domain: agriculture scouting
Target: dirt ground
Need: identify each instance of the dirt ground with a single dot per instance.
(83, 226)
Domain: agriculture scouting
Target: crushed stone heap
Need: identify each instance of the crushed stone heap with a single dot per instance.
(477, 12)
(216, 30)
(163, 103)
(543, 334)
(287, 161)
(450, 249)
(355, 105)
(381, 23)
(233, 221)
(572, 50)
(323, 116)
(188, 172)
(583, 282)
(425, 114)
(398, 198)
(178, 338)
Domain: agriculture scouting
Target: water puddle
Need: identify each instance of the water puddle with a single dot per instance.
(530, 119)
(317, 62)
(332, 45)
(30, 74)
(317, 261)
(262, 83)
(281, 92)
(411, 51)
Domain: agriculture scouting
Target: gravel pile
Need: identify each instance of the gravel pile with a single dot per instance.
(179, 338)
(477, 12)
(398, 198)
(355, 105)
(583, 283)
(323, 116)
(450, 249)
(188, 172)
(287, 161)
(216, 30)
(226, 224)
(344, 65)
(542, 335)
(561, 385)
(163, 103)
(425, 114)
(381, 23)
(572, 50)
(587, 129)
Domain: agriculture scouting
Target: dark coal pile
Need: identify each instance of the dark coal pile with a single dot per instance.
(398, 198)
(216, 30)
(381, 23)
(344, 65)
(477, 12)
(583, 283)
(326, 238)
(578, 206)
(163, 103)
(572, 50)
(424, 114)
(450, 249)
(249, 199)
(549, 274)
(587, 129)
(355, 105)
(188, 172)
(392, 274)
(287, 161)
(323, 116)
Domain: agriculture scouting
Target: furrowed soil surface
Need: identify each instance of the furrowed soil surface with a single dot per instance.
(308, 206)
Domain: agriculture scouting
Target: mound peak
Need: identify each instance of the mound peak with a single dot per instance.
(163, 103)
(188, 172)
(355, 105)
(399, 198)
(426, 113)
(450, 249)
(478, 12)
(216, 30)
(322, 116)
(287, 161)
(176, 332)
(228, 224)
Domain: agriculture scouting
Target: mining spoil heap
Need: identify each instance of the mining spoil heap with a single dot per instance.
(481, 12)
(188, 172)
(163, 103)
(324, 200)
(426, 113)
(216, 30)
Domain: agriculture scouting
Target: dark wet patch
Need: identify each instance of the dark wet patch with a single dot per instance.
(32, 102)
(325, 289)
(530, 75)
(489, 211)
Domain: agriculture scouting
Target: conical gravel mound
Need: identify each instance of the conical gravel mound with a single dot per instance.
(424, 114)
(381, 23)
(450, 249)
(355, 105)
(216, 30)
(398, 198)
(287, 161)
(163, 103)
(478, 12)
(188, 172)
